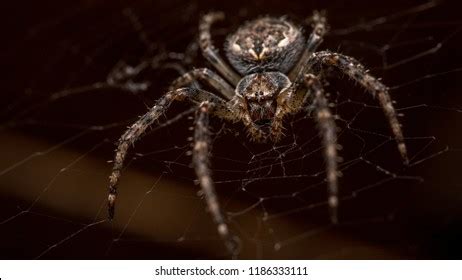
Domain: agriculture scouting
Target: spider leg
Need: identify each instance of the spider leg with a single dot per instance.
(201, 151)
(327, 128)
(356, 71)
(210, 52)
(134, 132)
(295, 99)
(206, 75)
(319, 25)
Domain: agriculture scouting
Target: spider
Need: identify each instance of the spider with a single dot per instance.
(275, 72)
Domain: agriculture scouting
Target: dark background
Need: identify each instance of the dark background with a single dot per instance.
(53, 168)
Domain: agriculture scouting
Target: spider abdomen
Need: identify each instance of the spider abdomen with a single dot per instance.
(265, 44)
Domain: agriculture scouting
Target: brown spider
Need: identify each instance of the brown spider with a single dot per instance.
(278, 75)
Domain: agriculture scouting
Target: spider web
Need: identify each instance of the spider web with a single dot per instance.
(77, 76)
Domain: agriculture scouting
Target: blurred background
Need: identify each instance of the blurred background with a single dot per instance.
(75, 75)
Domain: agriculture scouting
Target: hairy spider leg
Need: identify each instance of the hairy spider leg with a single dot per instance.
(204, 75)
(319, 25)
(357, 72)
(328, 131)
(134, 132)
(210, 52)
(311, 94)
(201, 162)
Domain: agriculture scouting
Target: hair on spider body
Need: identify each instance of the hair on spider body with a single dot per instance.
(259, 92)
(265, 44)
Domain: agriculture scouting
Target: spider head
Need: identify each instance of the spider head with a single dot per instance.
(260, 92)
(265, 44)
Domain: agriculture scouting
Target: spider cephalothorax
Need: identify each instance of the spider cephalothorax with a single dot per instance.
(278, 73)
(259, 95)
